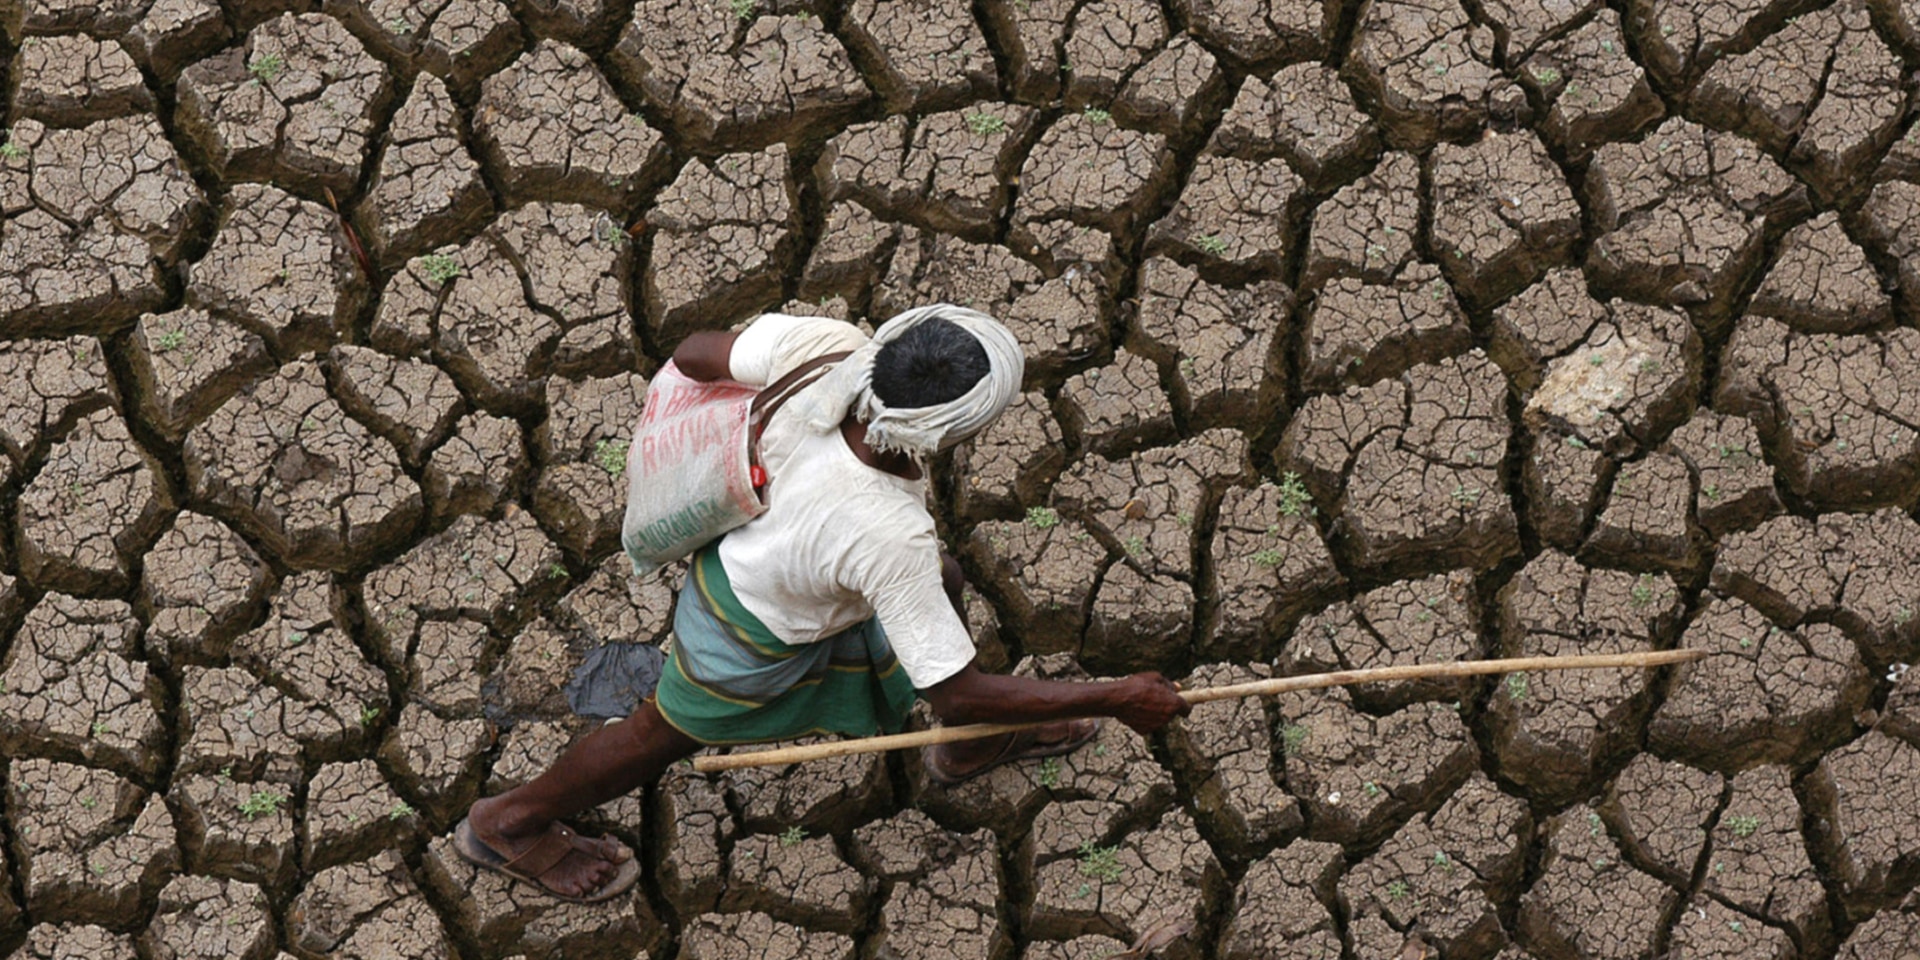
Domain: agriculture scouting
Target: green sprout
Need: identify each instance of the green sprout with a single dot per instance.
(1643, 590)
(1370, 788)
(1135, 545)
(1100, 863)
(1042, 518)
(1743, 827)
(1270, 557)
(440, 268)
(99, 729)
(88, 802)
(1398, 890)
(267, 67)
(1548, 76)
(611, 455)
(556, 570)
(1293, 739)
(1096, 115)
(10, 150)
(1576, 443)
(1466, 496)
(791, 836)
(262, 803)
(368, 715)
(1294, 497)
(1517, 685)
(984, 123)
(1212, 244)
(1050, 772)
(401, 810)
(743, 9)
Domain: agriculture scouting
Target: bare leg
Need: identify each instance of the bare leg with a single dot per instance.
(608, 763)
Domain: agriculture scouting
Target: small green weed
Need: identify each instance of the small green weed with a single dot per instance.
(368, 715)
(1042, 518)
(1576, 443)
(1270, 557)
(99, 729)
(170, 341)
(401, 810)
(262, 803)
(1517, 686)
(1370, 788)
(1466, 496)
(1743, 827)
(791, 836)
(1100, 863)
(1212, 244)
(1293, 739)
(267, 68)
(1294, 498)
(1642, 592)
(1594, 826)
(1135, 545)
(1095, 115)
(743, 9)
(440, 268)
(556, 571)
(10, 150)
(1050, 772)
(1398, 890)
(89, 802)
(1548, 76)
(984, 123)
(611, 455)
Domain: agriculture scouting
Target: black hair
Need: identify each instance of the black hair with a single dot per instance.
(933, 363)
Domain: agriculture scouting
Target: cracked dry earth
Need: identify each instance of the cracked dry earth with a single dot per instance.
(1362, 332)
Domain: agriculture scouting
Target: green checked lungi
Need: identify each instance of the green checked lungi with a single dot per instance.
(730, 680)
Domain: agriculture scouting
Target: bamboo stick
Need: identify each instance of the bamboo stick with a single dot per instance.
(1258, 688)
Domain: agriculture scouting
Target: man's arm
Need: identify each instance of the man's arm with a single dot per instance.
(1145, 701)
(704, 355)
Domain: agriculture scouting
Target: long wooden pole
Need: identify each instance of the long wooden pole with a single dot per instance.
(1258, 688)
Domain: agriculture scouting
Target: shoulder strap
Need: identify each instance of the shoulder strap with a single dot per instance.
(778, 392)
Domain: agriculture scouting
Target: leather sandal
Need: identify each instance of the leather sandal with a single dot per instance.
(545, 854)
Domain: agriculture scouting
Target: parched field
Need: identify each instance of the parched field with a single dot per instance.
(1360, 333)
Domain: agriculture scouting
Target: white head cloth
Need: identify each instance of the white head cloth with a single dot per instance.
(918, 431)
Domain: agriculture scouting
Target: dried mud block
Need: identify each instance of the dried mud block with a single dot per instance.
(1559, 733)
(1681, 213)
(1304, 114)
(1011, 462)
(1823, 87)
(513, 918)
(1542, 323)
(1588, 902)
(243, 831)
(1648, 518)
(1492, 246)
(1835, 412)
(1766, 696)
(1659, 811)
(174, 33)
(1166, 93)
(1044, 571)
(1264, 31)
(1140, 620)
(1114, 776)
(440, 761)
(1710, 930)
(1445, 875)
(1424, 453)
(529, 677)
(426, 189)
(279, 267)
(950, 171)
(1759, 863)
(351, 814)
(73, 942)
(1863, 795)
(367, 910)
(1889, 222)
(1233, 214)
(1564, 479)
(1427, 65)
(552, 128)
(723, 936)
(614, 606)
(492, 572)
(1090, 171)
(582, 491)
(1058, 319)
(1030, 35)
(801, 881)
(1225, 748)
(201, 918)
(1884, 935)
(1159, 873)
(201, 585)
(1902, 714)
(409, 402)
(1105, 43)
(1217, 340)
(832, 797)
(722, 234)
(694, 831)
(940, 890)
(1855, 570)
(847, 259)
(1359, 333)
(1270, 566)
(1681, 39)
(574, 262)
(1626, 384)
(89, 845)
(1367, 229)
(98, 500)
(1283, 899)
(186, 363)
(1119, 406)
(1150, 504)
(284, 462)
(294, 103)
(73, 80)
(46, 388)
(737, 81)
(480, 466)
(931, 55)
(1594, 91)
(73, 688)
(1090, 947)
(460, 41)
(1360, 776)
(1735, 484)
(1432, 620)
(1822, 282)
(446, 666)
(89, 220)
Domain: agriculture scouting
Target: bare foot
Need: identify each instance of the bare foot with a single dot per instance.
(576, 875)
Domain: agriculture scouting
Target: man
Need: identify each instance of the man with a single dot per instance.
(828, 613)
